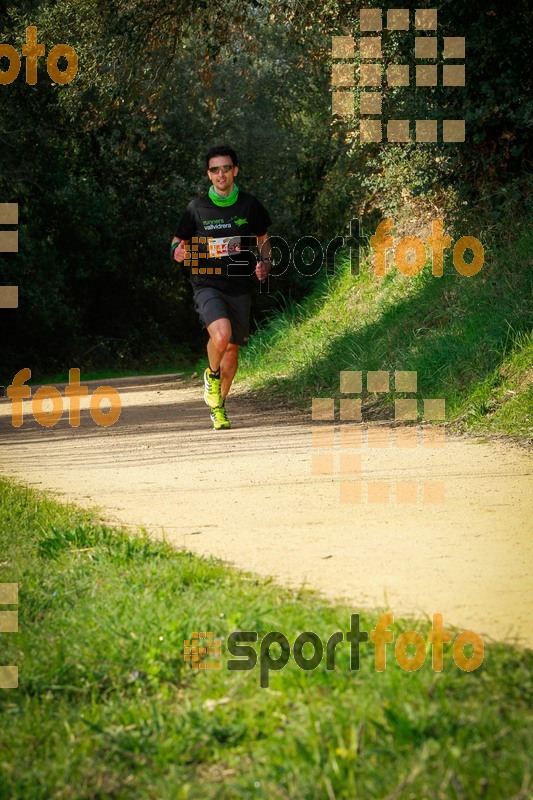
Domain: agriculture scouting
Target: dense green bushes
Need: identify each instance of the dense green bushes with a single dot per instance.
(102, 167)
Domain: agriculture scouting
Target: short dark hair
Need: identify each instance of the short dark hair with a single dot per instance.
(222, 150)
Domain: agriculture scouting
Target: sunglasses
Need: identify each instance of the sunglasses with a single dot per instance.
(225, 168)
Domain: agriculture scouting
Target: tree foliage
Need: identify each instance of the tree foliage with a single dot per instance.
(102, 167)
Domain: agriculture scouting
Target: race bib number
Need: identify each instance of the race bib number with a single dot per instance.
(226, 246)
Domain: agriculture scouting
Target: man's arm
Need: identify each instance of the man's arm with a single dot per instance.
(265, 254)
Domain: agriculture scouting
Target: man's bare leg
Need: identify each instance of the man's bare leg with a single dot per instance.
(219, 336)
(228, 368)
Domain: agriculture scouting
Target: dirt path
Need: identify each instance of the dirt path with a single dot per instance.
(248, 496)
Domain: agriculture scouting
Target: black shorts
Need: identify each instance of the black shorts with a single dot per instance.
(212, 304)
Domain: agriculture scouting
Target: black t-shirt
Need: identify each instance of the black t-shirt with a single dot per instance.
(226, 260)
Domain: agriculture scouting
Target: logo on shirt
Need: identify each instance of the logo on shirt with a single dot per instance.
(240, 222)
(215, 224)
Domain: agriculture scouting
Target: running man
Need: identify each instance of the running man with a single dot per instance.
(230, 222)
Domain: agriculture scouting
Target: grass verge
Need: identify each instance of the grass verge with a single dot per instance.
(468, 338)
(107, 708)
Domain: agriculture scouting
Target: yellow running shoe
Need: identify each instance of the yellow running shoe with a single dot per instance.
(219, 418)
(212, 395)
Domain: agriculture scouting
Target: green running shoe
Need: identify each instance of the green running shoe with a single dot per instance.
(219, 418)
(212, 395)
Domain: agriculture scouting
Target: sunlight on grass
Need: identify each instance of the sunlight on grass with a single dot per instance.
(467, 338)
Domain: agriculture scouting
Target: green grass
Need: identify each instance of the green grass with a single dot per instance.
(107, 708)
(503, 403)
(468, 338)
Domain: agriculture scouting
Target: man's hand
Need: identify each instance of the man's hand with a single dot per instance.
(262, 269)
(265, 254)
(179, 252)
